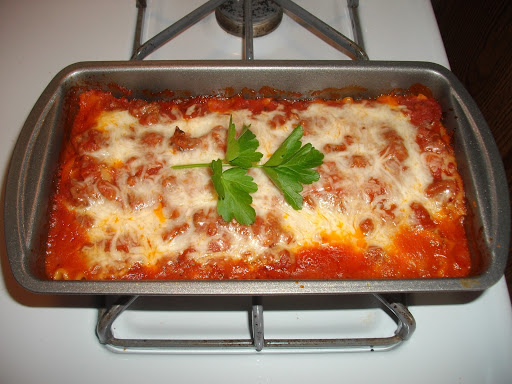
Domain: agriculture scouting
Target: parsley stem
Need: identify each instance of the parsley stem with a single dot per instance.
(197, 165)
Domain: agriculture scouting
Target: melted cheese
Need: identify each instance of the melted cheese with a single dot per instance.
(152, 213)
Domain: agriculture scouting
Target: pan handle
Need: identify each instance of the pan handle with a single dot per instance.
(406, 325)
(25, 188)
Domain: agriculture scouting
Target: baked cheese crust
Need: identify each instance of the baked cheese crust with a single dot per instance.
(389, 202)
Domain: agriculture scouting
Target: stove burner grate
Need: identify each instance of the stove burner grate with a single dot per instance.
(249, 23)
(392, 305)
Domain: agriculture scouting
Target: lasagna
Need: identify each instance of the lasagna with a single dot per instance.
(389, 202)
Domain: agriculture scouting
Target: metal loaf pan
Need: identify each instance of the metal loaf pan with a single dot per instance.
(33, 163)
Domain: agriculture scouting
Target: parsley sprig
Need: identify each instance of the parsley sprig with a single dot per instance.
(289, 168)
(292, 165)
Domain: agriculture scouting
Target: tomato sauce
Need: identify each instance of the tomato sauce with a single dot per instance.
(67, 237)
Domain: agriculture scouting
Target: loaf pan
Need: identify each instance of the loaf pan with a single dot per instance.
(34, 160)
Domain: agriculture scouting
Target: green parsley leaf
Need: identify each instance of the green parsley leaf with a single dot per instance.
(242, 151)
(233, 188)
(291, 166)
(216, 167)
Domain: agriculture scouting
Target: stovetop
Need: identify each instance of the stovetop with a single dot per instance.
(460, 338)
